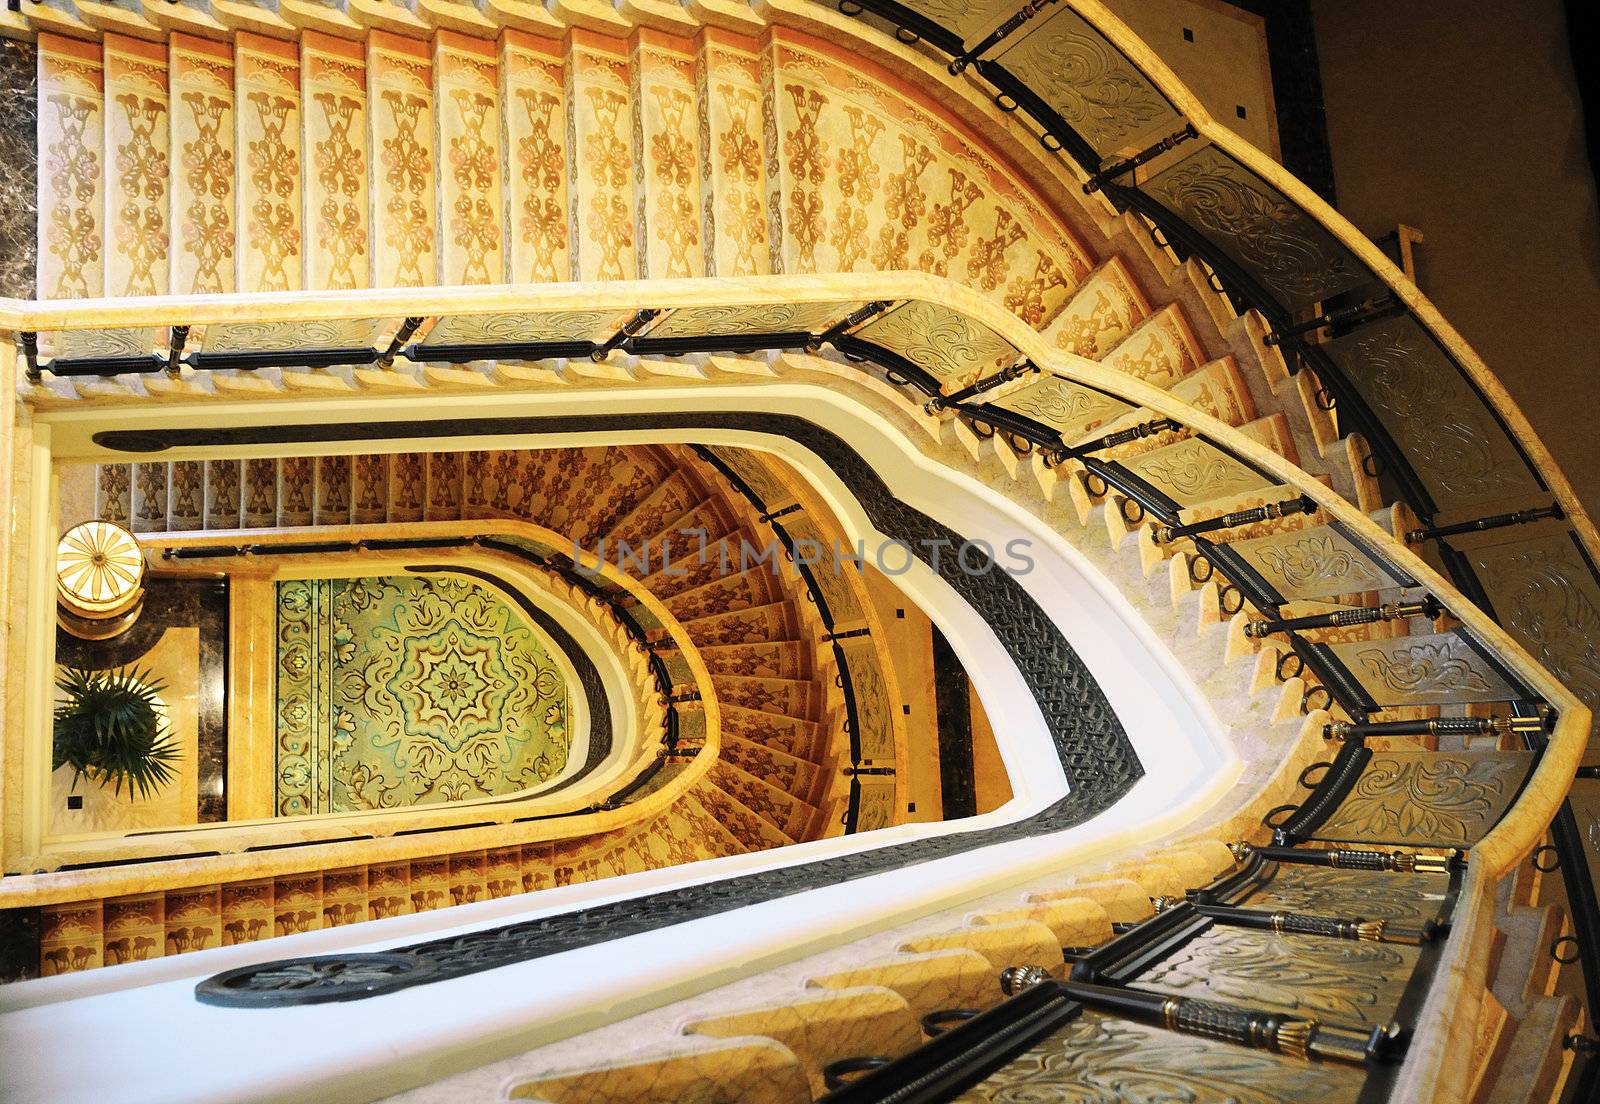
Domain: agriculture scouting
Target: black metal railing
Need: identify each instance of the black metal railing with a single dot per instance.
(1367, 300)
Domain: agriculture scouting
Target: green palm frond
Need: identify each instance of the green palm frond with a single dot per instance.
(110, 728)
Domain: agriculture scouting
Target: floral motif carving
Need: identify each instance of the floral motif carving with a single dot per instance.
(1317, 559)
(1444, 429)
(1193, 469)
(142, 177)
(74, 172)
(1277, 241)
(274, 172)
(1399, 899)
(1064, 405)
(341, 171)
(543, 164)
(1546, 598)
(1345, 982)
(941, 341)
(474, 166)
(1442, 666)
(1431, 798)
(208, 172)
(1083, 77)
(408, 167)
(1095, 1059)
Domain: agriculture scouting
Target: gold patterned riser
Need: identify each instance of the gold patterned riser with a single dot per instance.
(754, 587)
(775, 621)
(801, 739)
(787, 659)
(788, 812)
(799, 698)
(789, 773)
(332, 162)
(683, 561)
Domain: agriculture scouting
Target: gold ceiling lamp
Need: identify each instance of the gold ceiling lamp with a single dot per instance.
(100, 575)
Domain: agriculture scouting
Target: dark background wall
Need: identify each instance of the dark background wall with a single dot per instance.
(1463, 119)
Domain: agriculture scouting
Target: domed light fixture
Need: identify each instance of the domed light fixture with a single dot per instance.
(100, 575)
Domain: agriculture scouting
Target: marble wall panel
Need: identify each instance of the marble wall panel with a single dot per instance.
(19, 152)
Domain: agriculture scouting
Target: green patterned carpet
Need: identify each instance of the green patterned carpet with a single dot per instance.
(407, 690)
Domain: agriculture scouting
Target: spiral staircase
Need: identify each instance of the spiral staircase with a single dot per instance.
(788, 271)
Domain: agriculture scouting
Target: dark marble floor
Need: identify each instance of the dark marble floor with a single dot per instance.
(19, 168)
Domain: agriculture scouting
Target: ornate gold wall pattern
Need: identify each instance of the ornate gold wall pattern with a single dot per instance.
(400, 85)
(138, 140)
(870, 172)
(805, 161)
(858, 185)
(947, 228)
(268, 81)
(601, 156)
(1102, 313)
(468, 117)
(201, 78)
(732, 90)
(668, 135)
(336, 128)
(532, 99)
(905, 203)
(71, 144)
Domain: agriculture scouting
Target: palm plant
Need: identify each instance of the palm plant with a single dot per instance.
(109, 727)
